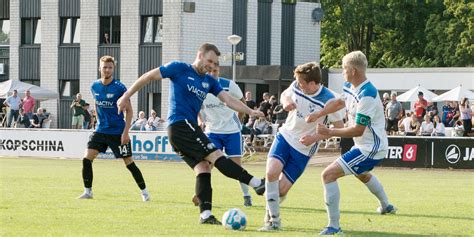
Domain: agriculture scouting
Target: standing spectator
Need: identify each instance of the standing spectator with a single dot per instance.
(456, 113)
(106, 39)
(420, 107)
(38, 118)
(447, 116)
(438, 127)
(432, 110)
(280, 114)
(250, 103)
(13, 102)
(87, 117)
(78, 117)
(466, 116)
(139, 124)
(385, 100)
(28, 104)
(426, 126)
(393, 112)
(265, 104)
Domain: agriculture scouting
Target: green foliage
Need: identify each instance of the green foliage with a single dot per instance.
(39, 199)
(395, 33)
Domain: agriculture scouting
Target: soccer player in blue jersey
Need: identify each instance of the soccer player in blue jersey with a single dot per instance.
(189, 85)
(367, 127)
(111, 130)
(297, 140)
(222, 125)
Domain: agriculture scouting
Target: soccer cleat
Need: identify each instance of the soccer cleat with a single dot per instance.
(271, 226)
(86, 195)
(146, 196)
(260, 190)
(331, 231)
(210, 220)
(195, 200)
(247, 201)
(390, 209)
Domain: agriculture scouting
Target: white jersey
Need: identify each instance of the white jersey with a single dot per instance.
(295, 126)
(365, 107)
(219, 118)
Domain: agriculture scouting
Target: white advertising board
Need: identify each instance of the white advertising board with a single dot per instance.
(72, 143)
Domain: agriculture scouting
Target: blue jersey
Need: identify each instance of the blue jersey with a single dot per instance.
(187, 90)
(106, 96)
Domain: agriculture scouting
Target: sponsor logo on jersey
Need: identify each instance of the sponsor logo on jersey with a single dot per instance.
(205, 85)
(109, 95)
(199, 93)
(105, 103)
(191, 78)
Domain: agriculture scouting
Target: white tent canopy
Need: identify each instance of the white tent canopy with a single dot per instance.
(455, 94)
(7, 87)
(412, 94)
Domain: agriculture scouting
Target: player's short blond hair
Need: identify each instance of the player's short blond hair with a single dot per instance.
(356, 60)
(308, 72)
(107, 59)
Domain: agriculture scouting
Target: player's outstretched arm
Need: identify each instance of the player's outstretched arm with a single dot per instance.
(146, 78)
(310, 139)
(237, 105)
(331, 107)
(354, 131)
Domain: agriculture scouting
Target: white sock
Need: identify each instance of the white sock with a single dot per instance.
(144, 191)
(245, 189)
(254, 182)
(205, 214)
(88, 190)
(376, 188)
(331, 197)
(272, 194)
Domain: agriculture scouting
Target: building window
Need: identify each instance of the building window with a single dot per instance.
(33, 82)
(110, 30)
(68, 88)
(4, 32)
(152, 29)
(31, 31)
(70, 30)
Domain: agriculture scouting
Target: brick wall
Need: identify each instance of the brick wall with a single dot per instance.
(89, 42)
(307, 34)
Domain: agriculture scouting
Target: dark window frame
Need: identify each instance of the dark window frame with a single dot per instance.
(62, 25)
(73, 88)
(112, 28)
(32, 31)
(156, 20)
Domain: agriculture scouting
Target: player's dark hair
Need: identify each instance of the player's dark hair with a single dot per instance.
(206, 47)
(308, 72)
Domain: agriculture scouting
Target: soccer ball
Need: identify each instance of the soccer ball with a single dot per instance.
(234, 219)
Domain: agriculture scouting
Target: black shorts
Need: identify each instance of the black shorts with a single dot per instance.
(100, 142)
(189, 141)
(392, 125)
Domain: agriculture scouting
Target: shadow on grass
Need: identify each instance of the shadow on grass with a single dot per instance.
(314, 210)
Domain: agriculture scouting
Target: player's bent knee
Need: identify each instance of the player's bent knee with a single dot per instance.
(214, 156)
(364, 177)
(202, 167)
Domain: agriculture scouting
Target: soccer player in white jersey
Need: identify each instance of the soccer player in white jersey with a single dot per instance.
(366, 126)
(297, 140)
(222, 125)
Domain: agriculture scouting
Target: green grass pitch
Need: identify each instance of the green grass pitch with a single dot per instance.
(38, 198)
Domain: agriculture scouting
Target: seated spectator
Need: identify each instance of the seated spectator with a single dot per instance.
(139, 124)
(153, 122)
(426, 126)
(404, 117)
(458, 129)
(23, 120)
(455, 113)
(38, 119)
(411, 125)
(251, 122)
(438, 126)
(261, 126)
(280, 114)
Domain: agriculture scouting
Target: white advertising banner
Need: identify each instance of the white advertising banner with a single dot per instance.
(72, 144)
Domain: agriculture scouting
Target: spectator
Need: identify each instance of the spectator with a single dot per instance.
(426, 126)
(466, 116)
(13, 102)
(404, 117)
(87, 117)
(385, 100)
(438, 130)
(140, 123)
(250, 103)
(28, 104)
(265, 105)
(78, 117)
(93, 119)
(420, 107)
(393, 113)
(38, 118)
(153, 122)
(432, 110)
(458, 129)
(411, 125)
(23, 120)
(280, 114)
(273, 103)
(455, 114)
(106, 39)
(445, 117)
(261, 126)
